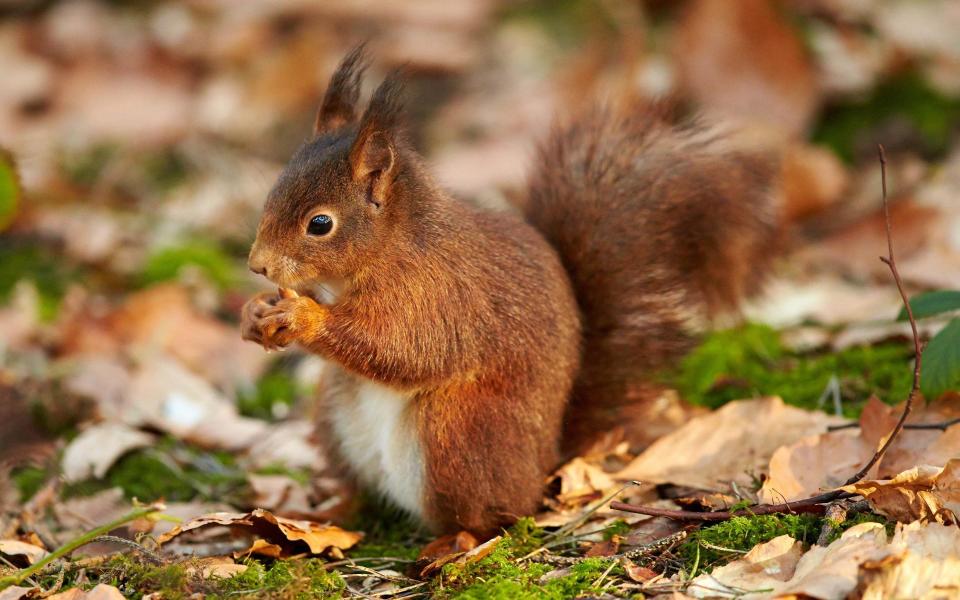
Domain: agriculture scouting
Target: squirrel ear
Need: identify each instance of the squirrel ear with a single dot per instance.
(374, 152)
(339, 103)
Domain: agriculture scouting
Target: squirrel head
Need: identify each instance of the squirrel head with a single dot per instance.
(330, 210)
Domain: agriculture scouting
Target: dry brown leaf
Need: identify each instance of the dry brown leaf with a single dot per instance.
(165, 395)
(743, 59)
(30, 553)
(581, 481)
(279, 493)
(637, 573)
(86, 512)
(100, 592)
(725, 445)
(261, 547)
(221, 567)
(925, 565)
(97, 448)
(813, 179)
(17, 592)
(278, 531)
(289, 443)
(164, 318)
(823, 462)
(918, 493)
(773, 561)
(814, 464)
(781, 569)
(443, 550)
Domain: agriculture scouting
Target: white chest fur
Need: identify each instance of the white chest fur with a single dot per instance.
(376, 431)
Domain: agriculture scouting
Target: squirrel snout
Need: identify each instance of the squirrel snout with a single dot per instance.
(256, 263)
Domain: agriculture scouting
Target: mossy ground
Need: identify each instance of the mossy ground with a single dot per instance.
(730, 364)
(751, 361)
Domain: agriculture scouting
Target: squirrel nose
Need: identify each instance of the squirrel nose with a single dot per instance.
(256, 265)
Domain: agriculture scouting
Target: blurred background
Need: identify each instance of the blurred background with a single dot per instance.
(142, 138)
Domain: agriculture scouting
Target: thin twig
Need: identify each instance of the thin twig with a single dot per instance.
(891, 261)
(942, 426)
(817, 503)
(808, 505)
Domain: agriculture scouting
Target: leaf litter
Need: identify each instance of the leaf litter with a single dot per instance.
(125, 352)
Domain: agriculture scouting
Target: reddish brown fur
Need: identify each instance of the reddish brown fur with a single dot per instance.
(472, 313)
(657, 226)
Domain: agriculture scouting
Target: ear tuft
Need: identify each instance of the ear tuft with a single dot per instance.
(339, 103)
(374, 152)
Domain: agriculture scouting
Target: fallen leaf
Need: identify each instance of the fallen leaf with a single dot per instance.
(581, 481)
(918, 493)
(443, 550)
(637, 573)
(17, 592)
(780, 567)
(167, 396)
(814, 464)
(773, 561)
(220, 567)
(289, 443)
(163, 319)
(925, 564)
(97, 448)
(84, 513)
(278, 531)
(743, 59)
(604, 548)
(725, 445)
(100, 592)
(30, 553)
(279, 493)
(813, 179)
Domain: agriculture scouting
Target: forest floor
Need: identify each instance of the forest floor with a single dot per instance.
(147, 452)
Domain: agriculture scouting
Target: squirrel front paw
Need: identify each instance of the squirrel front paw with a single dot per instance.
(275, 321)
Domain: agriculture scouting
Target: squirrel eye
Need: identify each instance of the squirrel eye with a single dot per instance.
(320, 225)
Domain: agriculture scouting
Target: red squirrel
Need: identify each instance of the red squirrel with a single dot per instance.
(474, 348)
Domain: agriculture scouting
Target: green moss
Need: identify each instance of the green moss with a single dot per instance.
(85, 167)
(618, 527)
(719, 544)
(567, 22)
(306, 578)
(742, 534)
(273, 394)
(135, 578)
(28, 481)
(166, 169)
(170, 471)
(750, 361)
(387, 531)
(166, 264)
(906, 99)
(25, 260)
(9, 190)
(501, 575)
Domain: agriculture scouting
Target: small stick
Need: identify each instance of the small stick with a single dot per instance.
(807, 505)
(942, 425)
(891, 261)
(836, 514)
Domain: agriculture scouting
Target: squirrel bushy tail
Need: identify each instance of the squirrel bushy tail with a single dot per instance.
(660, 228)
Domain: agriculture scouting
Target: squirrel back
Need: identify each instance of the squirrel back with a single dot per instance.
(660, 228)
